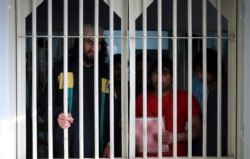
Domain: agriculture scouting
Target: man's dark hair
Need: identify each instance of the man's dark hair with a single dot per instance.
(103, 52)
(117, 58)
(139, 57)
(211, 62)
(74, 52)
(166, 63)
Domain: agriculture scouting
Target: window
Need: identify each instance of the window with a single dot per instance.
(52, 32)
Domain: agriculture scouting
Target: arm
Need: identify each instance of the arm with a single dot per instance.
(167, 136)
(196, 130)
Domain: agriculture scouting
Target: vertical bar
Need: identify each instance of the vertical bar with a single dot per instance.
(111, 77)
(124, 81)
(132, 79)
(34, 81)
(21, 82)
(175, 78)
(81, 94)
(219, 79)
(234, 97)
(239, 95)
(144, 14)
(190, 78)
(204, 82)
(50, 60)
(96, 80)
(65, 73)
(159, 15)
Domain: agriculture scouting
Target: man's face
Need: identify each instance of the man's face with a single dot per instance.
(166, 80)
(89, 50)
(117, 72)
(199, 74)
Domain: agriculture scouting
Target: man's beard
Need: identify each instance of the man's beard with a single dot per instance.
(88, 60)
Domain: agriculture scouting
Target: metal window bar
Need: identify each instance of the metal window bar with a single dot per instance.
(204, 82)
(219, 79)
(21, 83)
(50, 61)
(175, 78)
(96, 84)
(124, 81)
(111, 77)
(132, 79)
(204, 38)
(144, 14)
(81, 93)
(34, 81)
(190, 78)
(65, 73)
(159, 13)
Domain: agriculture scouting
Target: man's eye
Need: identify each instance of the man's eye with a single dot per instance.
(165, 73)
(90, 42)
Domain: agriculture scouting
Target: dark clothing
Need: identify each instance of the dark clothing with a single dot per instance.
(212, 124)
(88, 98)
(212, 121)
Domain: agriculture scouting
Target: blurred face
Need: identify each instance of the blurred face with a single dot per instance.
(199, 74)
(89, 50)
(117, 72)
(166, 80)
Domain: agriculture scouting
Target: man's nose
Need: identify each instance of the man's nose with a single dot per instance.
(93, 44)
(92, 47)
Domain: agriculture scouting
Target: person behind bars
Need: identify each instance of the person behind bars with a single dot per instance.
(212, 99)
(72, 120)
(167, 112)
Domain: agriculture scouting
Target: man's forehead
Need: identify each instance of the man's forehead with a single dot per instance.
(89, 30)
(93, 39)
(165, 69)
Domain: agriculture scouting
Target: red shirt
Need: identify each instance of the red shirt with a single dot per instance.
(167, 113)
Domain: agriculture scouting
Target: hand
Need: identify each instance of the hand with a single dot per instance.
(106, 152)
(63, 121)
(167, 137)
(138, 143)
(137, 140)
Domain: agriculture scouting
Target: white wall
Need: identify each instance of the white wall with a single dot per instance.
(4, 58)
(7, 81)
(247, 81)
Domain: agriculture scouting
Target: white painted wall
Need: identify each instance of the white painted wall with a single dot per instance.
(7, 81)
(4, 58)
(247, 81)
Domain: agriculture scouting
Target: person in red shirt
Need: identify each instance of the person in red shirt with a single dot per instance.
(167, 110)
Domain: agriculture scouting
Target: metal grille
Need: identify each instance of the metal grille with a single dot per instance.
(174, 28)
